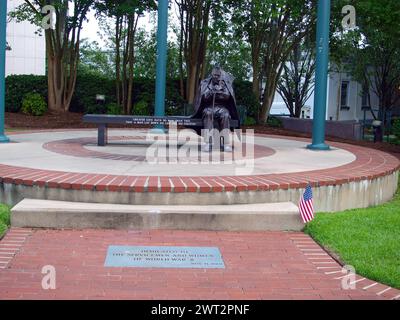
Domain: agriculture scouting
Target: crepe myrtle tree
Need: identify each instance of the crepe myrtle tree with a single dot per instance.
(119, 21)
(296, 83)
(272, 28)
(61, 22)
(194, 19)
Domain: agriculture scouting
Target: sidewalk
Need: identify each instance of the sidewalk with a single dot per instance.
(259, 265)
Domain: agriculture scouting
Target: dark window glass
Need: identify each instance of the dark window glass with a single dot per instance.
(364, 97)
(344, 94)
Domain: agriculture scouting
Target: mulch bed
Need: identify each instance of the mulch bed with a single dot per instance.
(51, 120)
(59, 120)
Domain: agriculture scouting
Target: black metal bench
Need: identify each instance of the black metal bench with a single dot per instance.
(103, 120)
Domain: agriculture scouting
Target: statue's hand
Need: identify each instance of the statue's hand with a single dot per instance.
(208, 94)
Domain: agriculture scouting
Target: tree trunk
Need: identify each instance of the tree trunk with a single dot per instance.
(196, 15)
(269, 95)
(124, 73)
(191, 84)
(131, 34)
(55, 81)
(256, 70)
(118, 60)
(181, 76)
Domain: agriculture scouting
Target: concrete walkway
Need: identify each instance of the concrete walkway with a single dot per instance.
(258, 265)
(77, 151)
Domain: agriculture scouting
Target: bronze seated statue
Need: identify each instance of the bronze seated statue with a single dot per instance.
(215, 100)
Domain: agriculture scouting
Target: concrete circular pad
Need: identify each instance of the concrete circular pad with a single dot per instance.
(126, 155)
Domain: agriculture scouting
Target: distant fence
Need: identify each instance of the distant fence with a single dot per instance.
(341, 129)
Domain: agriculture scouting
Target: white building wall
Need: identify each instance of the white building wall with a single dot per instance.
(28, 50)
(355, 111)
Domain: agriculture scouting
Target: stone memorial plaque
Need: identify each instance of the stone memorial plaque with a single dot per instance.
(164, 257)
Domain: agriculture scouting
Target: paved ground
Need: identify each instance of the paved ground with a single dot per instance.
(279, 163)
(259, 265)
(77, 151)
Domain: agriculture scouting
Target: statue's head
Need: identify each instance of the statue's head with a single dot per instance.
(216, 74)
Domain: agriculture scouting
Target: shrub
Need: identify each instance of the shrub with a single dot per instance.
(94, 108)
(18, 86)
(87, 87)
(274, 122)
(143, 95)
(245, 96)
(113, 108)
(396, 128)
(250, 121)
(140, 108)
(34, 104)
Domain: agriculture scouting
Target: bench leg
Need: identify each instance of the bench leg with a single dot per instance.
(102, 135)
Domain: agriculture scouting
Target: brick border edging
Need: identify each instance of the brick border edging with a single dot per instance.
(11, 243)
(76, 148)
(329, 265)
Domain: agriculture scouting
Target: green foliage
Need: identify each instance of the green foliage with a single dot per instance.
(145, 56)
(95, 60)
(140, 108)
(34, 104)
(174, 103)
(17, 86)
(4, 218)
(87, 87)
(62, 42)
(113, 108)
(245, 96)
(250, 121)
(371, 53)
(396, 128)
(228, 49)
(274, 122)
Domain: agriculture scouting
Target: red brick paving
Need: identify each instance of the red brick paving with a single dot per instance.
(76, 147)
(259, 265)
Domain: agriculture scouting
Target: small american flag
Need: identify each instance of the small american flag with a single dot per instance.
(306, 206)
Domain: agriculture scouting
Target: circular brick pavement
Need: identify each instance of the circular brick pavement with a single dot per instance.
(368, 164)
(79, 147)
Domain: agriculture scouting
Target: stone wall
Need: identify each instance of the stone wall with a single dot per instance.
(350, 130)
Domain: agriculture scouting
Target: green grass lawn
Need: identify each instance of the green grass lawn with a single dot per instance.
(4, 218)
(367, 239)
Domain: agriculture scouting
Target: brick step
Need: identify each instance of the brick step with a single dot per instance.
(35, 213)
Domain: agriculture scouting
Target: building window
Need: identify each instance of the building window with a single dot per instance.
(344, 95)
(365, 97)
